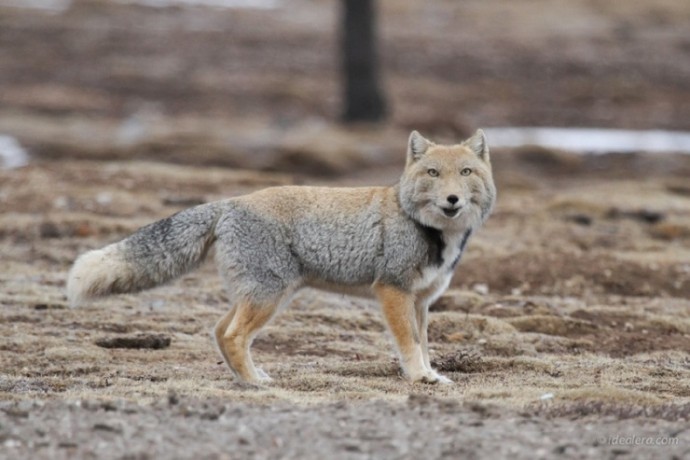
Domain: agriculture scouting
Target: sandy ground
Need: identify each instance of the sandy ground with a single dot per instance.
(566, 329)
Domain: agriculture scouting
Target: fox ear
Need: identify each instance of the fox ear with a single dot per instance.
(478, 144)
(416, 146)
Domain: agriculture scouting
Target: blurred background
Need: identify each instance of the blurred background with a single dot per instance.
(264, 84)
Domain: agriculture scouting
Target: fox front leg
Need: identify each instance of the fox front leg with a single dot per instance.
(422, 316)
(398, 307)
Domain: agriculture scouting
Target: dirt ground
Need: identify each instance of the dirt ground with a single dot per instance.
(566, 329)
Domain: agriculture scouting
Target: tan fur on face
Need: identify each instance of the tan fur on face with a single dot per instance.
(429, 192)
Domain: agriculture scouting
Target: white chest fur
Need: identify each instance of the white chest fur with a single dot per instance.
(437, 277)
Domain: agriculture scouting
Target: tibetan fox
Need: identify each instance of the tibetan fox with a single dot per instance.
(400, 244)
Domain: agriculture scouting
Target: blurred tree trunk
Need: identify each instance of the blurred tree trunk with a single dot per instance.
(363, 97)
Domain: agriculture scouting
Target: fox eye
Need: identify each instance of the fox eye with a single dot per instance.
(466, 171)
(432, 172)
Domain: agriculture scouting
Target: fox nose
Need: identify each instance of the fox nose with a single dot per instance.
(452, 199)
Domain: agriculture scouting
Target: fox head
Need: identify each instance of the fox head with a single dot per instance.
(448, 187)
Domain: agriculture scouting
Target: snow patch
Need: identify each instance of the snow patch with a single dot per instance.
(592, 140)
(12, 155)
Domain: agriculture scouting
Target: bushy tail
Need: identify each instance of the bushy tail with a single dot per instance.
(153, 255)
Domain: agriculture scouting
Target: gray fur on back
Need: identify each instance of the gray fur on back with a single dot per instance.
(261, 254)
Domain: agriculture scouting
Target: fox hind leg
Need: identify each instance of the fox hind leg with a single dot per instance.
(235, 333)
(219, 330)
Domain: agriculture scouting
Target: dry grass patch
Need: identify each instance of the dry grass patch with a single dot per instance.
(552, 325)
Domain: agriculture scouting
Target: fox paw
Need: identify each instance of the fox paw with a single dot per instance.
(433, 378)
(263, 377)
(443, 380)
